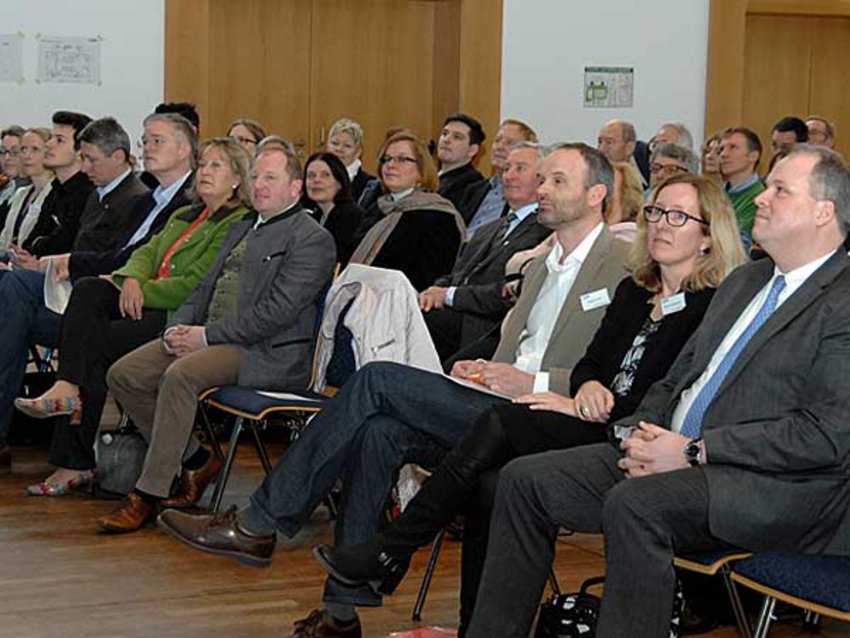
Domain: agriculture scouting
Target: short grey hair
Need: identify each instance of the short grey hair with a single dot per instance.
(108, 136)
(678, 153)
(182, 128)
(540, 149)
(684, 139)
(829, 181)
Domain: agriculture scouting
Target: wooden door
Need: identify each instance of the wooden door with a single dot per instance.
(372, 61)
(829, 95)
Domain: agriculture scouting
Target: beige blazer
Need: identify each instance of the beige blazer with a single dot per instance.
(575, 327)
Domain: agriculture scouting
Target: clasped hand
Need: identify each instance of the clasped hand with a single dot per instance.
(652, 450)
(181, 340)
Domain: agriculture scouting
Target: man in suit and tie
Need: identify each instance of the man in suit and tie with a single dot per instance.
(745, 443)
(465, 305)
(388, 412)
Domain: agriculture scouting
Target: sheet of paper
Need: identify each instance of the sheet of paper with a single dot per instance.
(477, 386)
(287, 396)
(56, 293)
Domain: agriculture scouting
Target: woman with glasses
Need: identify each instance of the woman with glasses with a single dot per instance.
(711, 158)
(687, 244)
(670, 159)
(247, 133)
(10, 168)
(417, 231)
(25, 204)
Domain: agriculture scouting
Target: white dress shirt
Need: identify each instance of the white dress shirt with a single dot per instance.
(793, 280)
(562, 271)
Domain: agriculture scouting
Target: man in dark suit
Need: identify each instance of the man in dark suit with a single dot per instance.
(484, 201)
(250, 321)
(460, 141)
(465, 305)
(745, 443)
(105, 149)
(387, 411)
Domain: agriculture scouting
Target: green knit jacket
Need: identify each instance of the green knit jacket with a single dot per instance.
(190, 261)
(745, 205)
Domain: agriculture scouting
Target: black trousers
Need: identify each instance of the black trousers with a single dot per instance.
(94, 336)
(465, 482)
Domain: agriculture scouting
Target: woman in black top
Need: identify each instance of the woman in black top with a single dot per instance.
(687, 243)
(327, 193)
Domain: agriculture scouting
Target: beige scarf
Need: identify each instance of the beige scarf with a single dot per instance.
(374, 240)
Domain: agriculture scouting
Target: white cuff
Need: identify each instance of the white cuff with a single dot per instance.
(541, 382)
(450, 296)
(204, 336)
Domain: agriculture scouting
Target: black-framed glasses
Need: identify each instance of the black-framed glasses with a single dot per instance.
(675, 217)
(397, 159)
(669, 169)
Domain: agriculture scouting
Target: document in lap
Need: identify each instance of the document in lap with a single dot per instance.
(56, 293)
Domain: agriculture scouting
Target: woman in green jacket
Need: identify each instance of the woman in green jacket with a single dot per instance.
(108, 317)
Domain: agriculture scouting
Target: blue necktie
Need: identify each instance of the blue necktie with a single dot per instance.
(692, 423)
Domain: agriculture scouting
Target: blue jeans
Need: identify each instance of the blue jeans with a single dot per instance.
(25, 321)
(385, 413)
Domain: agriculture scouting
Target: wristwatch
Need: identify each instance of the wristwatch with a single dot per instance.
(693, 451)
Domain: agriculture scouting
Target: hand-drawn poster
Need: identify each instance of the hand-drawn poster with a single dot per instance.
(608, 87)
(11, 58)
(68, 60)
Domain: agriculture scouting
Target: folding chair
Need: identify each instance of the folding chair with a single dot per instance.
(819, 584)
(712, 563)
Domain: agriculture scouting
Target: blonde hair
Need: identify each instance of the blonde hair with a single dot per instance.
(631, 200)
(725, 253)
(428, 179)
(347, 125)
(240, 164)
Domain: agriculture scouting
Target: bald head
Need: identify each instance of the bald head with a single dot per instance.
(617, 140)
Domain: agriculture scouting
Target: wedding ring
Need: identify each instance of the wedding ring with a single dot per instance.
(583, 411)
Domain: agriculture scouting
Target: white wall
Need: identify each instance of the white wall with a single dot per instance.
(131, 59)
(547, 44)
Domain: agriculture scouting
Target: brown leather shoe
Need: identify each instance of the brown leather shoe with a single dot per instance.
(132, 516)
(5, 459)
(193, 483)
(320, 624)
(219, 534)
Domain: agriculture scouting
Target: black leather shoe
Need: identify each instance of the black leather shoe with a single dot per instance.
(219, 534)
(366, 564)
(320, 624)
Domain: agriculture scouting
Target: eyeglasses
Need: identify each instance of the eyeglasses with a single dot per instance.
(670, 169)
(676, 218)
(4, 152)
(243, 140)
(397, 159)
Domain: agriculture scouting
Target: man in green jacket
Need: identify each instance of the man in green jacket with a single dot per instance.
(740, 152)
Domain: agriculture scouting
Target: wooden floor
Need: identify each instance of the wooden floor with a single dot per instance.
(60, 578)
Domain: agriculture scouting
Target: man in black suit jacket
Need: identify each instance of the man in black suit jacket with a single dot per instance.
(466, 304)
(460, 141)
(745, 443)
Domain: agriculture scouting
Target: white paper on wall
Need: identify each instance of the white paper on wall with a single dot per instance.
(68, 60)
(11, 58)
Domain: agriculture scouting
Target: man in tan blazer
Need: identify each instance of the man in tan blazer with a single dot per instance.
(387, 413)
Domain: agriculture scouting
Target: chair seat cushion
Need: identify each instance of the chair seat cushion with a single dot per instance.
(821, 579)
(255, 404)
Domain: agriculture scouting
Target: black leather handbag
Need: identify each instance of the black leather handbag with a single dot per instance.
(120, 458)
(570, 615)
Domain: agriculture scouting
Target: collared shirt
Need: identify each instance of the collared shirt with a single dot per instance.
(353, 168)
(562, 273)
(521, 214)
(401, 194)
(752, 179)
(103, 191)
(162, 196)
(793, 280)
(491, 207)
(260, 221)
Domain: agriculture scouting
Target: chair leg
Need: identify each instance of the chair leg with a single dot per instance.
(224, 474)
(737, 606)
(765, 617)
(426, 578)
(208, 429)
(553, 582)
(261, 448)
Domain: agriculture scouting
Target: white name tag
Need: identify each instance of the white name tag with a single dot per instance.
(596, 299)
(670, 305)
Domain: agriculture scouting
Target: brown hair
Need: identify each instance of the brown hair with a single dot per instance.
(725, 253)
(427, 171)
(631, 199)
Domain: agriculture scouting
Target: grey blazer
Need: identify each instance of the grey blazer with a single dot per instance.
(287, 264)
(574, 328)
(777, 434)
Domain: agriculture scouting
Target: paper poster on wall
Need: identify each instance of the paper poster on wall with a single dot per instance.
(608, 86)
(68, 60)
(11, 58)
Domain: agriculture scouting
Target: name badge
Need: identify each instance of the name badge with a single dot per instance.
(670, 305)
(596, 299)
